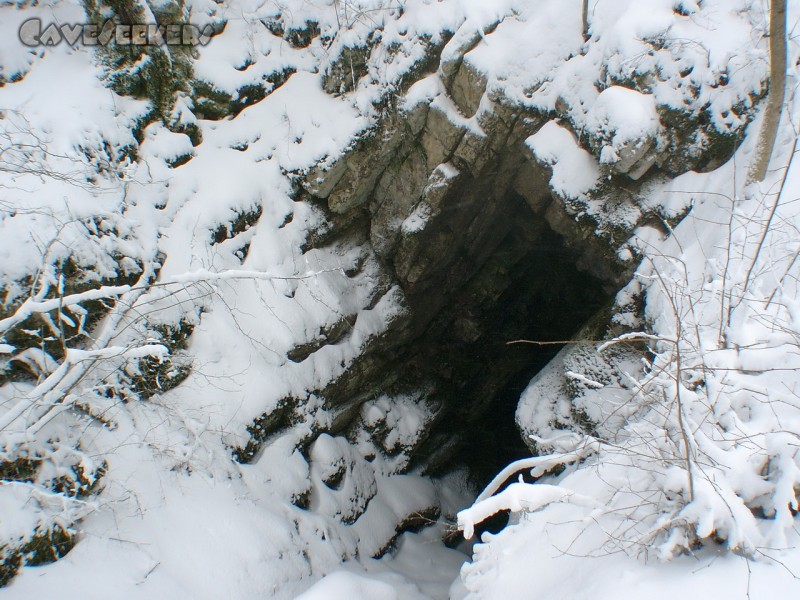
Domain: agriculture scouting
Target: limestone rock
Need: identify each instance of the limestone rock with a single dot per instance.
(440, 137)
(468, 87)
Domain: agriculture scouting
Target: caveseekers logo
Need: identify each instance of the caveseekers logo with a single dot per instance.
(34, 33)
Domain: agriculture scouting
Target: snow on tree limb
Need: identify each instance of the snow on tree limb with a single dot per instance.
(539, 465)
(519, 497)
(33, 306)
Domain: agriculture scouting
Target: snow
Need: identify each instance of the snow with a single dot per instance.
(575, 171)
(516, 497)
(533, 556)
(175, 517)
(420, 569)
(350, 585)
(623, 116)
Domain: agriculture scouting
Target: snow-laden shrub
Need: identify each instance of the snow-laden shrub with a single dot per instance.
(696, 443)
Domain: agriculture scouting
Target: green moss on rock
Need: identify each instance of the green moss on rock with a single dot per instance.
(10, 564)
(154, 376)
(268, 424)
(148, 72)
(43, 547)
(20, 469)
(214, 104)
(47, 546)
(346, 70)
(241, 223)
(80, 484)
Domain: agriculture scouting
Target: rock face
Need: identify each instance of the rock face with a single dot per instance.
(461, 219)
(483, 237)
(455, 218)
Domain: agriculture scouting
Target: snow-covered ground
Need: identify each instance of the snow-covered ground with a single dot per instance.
(176, 517)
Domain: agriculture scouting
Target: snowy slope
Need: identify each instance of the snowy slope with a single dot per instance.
(174, 516)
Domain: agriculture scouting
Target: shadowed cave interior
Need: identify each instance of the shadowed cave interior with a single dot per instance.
(527, 288)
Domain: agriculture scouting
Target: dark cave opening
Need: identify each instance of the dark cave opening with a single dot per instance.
(525, 285)
(497, 260)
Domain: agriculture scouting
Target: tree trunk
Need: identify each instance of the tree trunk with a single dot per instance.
(585, 20)
(777, 88)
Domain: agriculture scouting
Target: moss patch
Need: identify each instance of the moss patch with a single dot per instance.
(214, 104)
(80, 484)
(10, 563)
(265, 426)
(154, 376)
(47, 547)
(42, 548)
(20, 469)
(240, 223)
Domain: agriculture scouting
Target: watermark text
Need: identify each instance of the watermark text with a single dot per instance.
(34, 33)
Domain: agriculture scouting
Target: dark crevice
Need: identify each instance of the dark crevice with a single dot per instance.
(528, 287)
(486, 270)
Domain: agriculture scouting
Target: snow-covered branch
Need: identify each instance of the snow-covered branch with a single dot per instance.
(539, 465)
(519, 497)
(36, 305)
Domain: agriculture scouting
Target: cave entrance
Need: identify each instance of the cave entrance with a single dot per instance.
(514, 279)
(493, 257)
